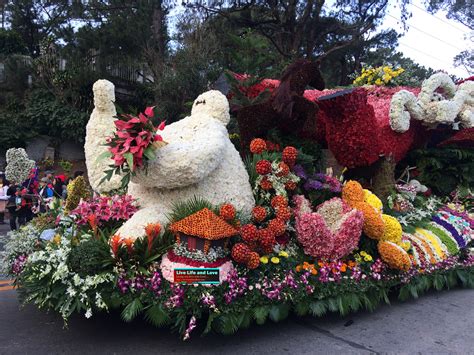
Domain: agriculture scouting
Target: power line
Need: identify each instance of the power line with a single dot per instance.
(429, 34)
(440, 19)
(424, 53)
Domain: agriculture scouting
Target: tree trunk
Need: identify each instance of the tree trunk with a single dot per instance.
(383, 181)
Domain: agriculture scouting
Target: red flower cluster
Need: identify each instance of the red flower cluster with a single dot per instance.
(261, 237)
(357, 127)
(133, 139)
(253, 91)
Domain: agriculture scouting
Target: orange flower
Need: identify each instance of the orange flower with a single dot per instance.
(351, 264)
(92, 219)
(152, 231)
(343, 268)
(298, 268)
(314, 271)
(129, 243)
(306, 265)
(115, 244)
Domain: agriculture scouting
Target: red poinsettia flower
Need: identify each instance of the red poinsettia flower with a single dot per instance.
(149, 111)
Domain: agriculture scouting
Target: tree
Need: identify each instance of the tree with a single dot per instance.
(295, 28)
(460, 10)
(35, 20)
(11, 43)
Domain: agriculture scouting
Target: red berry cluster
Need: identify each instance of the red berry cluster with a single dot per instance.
(263, 167)
(289, 155)
(227, 212)
(259, 213)
(261, 239)
(258, 146)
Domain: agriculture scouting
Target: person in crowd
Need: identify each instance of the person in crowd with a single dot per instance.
(66, 183)
(3, 197)
(24, 205)
(58, 187)
(12, 205)
(45, 195)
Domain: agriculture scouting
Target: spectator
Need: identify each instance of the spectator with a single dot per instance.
(58, 187)
(12, 205)
(3, 197)
(24, 205)
(45, 195)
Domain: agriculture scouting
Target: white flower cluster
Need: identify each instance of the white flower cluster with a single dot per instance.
(439, 102)
(212, 255)
(278, 183)
(18, 165)
(414, 215)
(51, 263)
(18, 242)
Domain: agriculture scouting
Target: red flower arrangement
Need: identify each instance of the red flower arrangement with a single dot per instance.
(133, 144)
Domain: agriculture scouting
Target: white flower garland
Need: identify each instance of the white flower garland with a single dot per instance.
(452, 106)
(403, 106)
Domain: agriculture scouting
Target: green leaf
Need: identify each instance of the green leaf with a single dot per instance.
(462, 276)
(260, 314)
(149, 153)
(318, 308)
(210, 320)
(279, 312)
(354, 302)
(104, 155)
(413, 291)
(108, 176)
(157, 316)
(227, 324)
(404, 293)
(302, 308)
(244, 320)
(132, 310)
(343, 303)
(438, 282)
(333, 305)
(129, 157)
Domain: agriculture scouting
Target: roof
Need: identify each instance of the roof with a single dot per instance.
(204, 224)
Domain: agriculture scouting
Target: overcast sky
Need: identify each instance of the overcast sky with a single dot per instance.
(431, 40)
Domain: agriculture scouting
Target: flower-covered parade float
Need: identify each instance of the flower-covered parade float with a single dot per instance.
(276, 230)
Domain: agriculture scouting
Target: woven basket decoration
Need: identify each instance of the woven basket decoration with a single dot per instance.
(204, 224)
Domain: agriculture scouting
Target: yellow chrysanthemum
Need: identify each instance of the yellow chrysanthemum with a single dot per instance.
(283, 253)
(275, 260)
(372, 200)
(393, 230)
(264, 259)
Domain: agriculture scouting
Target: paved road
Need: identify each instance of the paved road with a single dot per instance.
(438, 323)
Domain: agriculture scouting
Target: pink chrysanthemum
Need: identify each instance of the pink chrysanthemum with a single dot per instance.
(330, 233)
